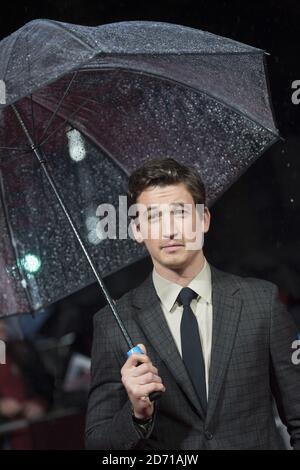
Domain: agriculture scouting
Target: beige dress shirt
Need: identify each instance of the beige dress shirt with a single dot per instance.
(202, 307)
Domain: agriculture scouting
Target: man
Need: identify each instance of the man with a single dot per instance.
(213, 342)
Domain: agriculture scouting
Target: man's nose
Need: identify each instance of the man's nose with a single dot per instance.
(169, 227)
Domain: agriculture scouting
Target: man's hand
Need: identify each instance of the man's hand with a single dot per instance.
(139, 381)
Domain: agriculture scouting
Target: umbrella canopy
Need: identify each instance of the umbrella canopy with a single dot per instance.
(98, 102)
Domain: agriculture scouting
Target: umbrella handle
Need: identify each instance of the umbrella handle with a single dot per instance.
(153, 396)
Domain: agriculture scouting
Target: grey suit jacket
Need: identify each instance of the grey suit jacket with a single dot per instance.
(252, 335)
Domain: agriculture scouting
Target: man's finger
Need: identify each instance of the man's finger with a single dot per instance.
(136, 359)
(143, 348)
(149, 378)
(144, 369)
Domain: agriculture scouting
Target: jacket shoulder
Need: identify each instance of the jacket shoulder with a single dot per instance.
(123, 305)
(245, 284)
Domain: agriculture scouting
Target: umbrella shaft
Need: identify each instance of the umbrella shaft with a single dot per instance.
(52, 183)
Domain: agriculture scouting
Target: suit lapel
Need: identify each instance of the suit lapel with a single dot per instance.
(226, 314)
(153, 323)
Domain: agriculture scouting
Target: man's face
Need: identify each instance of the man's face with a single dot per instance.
(170, 226)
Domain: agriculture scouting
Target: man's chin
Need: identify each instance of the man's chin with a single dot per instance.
(173, 261)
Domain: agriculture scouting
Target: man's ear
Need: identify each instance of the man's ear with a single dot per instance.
(135, 228)
(206, 219)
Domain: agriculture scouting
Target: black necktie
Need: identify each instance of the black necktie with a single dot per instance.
(191, 345)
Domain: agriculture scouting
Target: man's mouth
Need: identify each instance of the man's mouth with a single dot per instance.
(172, 247)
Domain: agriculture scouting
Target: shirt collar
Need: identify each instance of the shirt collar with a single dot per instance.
(168, 291)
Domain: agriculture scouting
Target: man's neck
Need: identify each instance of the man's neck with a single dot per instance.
(184, 275)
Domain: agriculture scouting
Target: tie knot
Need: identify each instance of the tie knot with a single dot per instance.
(186, 295)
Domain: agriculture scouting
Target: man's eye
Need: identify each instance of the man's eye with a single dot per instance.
(152, 217)
(179, 211)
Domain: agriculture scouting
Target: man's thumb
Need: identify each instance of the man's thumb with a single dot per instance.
(142, 348)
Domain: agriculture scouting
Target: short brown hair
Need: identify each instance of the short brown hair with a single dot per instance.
(163, 172)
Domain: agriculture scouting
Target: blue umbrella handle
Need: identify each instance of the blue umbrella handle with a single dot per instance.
(154, 395)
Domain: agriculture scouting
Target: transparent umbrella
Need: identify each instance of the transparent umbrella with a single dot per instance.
(84, 106)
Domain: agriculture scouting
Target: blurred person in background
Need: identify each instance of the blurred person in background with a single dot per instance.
(25, 387)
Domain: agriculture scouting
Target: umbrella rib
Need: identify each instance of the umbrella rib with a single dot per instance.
(90, 136)
(59, 105)
(15, 148)
(62, 124)
(13, 241)
(269, 90)
(71, 33)
(31, 100)
(32, 118)
(10, 55)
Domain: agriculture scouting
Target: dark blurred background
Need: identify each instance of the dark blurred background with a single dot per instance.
(255, 225)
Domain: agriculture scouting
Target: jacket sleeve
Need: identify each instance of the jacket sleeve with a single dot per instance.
(283, 334)
(109, 423)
